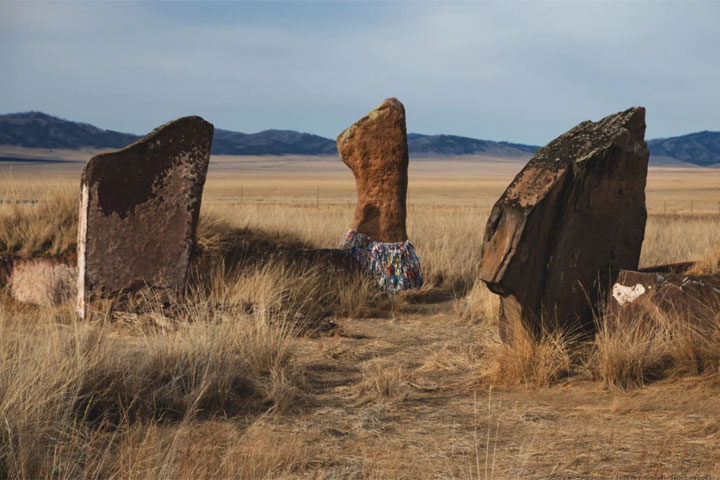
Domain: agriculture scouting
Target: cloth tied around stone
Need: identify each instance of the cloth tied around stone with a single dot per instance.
(395, 266)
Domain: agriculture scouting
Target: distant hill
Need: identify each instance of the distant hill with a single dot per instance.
(447, 145)
(701, 148)
(40, 130)
(271, 142)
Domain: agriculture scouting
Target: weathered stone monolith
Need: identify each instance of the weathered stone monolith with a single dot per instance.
(139, 212)
(375, 148)
(567, 224)
(44, 281)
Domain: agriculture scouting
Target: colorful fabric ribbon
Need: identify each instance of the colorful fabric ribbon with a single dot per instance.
(395, 266)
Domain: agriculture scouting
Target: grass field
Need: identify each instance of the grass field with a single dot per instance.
(418, 386)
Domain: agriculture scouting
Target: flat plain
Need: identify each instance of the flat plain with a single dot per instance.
(415, 386)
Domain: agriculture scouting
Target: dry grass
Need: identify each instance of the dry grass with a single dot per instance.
(212, 449)
(303, 295)
(445, 220)
(708, 264)
(655, 345)
(637, 350)
(530, 360)
(66, 385)
(671, 239)
(46, 228)
(272, 270)
(478, 305)
(383, 382)
(228, 384)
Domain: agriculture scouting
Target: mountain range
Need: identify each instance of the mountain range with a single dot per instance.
(40, 130)
(701, 148)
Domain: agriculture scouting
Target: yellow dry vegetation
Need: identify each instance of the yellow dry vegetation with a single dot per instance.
(274, 370)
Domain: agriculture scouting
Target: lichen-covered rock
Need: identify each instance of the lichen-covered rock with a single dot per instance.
(567, 224)
(665, 290)
(139, 211)
(43, 281)
(375, 148)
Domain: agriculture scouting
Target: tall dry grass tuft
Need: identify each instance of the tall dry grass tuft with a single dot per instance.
(526, 359)
(383, 382)
(654, 345)
(708, 264)
(277, 272)
(478, 305)
(630, 354)
(49, 227)
(66, 388)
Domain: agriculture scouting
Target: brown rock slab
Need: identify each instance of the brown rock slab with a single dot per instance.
(139, 212)
(567, 224)
(666, 290)
(43, 281)
(375, 148)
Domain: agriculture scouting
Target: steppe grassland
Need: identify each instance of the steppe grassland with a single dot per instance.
(448, 202)
(141, 399)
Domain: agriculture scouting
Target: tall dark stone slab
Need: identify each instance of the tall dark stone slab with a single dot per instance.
(567, 224)
(139, 212)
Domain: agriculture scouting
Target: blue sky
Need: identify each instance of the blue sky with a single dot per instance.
(518, 71)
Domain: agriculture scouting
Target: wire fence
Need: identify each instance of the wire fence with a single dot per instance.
(667, 209)
(23, 201)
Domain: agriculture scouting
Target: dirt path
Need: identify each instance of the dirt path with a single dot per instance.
(401, 398)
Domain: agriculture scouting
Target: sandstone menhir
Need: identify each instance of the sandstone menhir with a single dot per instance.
(375, 148)
(139, 212)
(567, 224)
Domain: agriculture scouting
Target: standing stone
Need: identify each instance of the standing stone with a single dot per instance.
(43, 281)
(139, 211)
(375, 148)
(567, 224)
(672, 291)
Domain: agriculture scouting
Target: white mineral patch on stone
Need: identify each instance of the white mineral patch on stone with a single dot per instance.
(623, 294)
